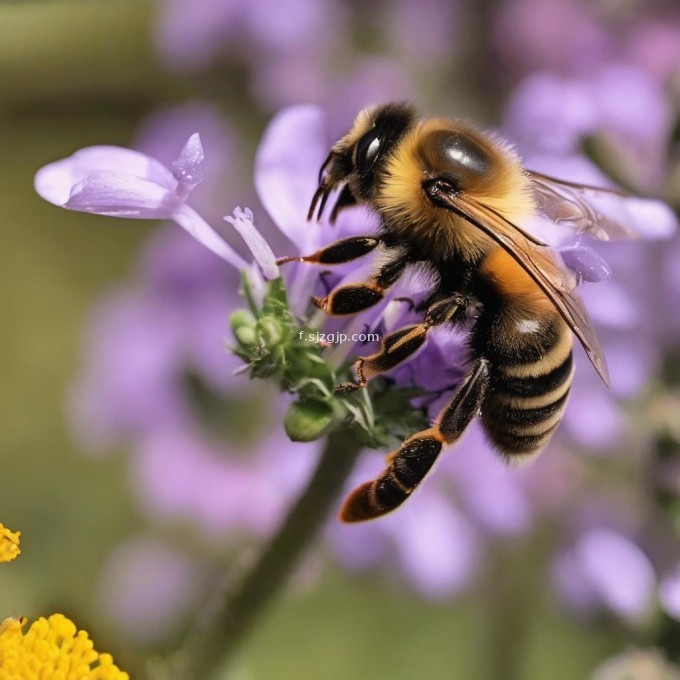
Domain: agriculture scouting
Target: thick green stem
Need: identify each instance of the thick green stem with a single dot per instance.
(216, 641)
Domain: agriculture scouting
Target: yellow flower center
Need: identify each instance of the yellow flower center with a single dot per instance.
(9, 544)
(52, 648)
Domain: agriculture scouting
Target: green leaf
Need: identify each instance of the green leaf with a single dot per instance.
(308, 420)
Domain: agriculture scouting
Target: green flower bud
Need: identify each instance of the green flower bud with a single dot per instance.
(270, 330)
(308, 420)
(245, 336)
(241, 318)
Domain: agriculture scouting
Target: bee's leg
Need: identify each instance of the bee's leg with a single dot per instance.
(402, 344)
(356, 297)
(408, 466)
(344, 250)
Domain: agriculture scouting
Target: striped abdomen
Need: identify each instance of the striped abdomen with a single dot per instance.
(529, 387)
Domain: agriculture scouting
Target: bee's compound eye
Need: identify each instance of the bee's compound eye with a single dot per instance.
(460, 149)
(367, 151)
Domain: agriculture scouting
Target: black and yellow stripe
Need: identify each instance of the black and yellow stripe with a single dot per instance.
(527, 399)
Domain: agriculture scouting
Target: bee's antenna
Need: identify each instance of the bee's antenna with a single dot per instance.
(326, 163)
(315, 200)
(345, 199)
(322, 203)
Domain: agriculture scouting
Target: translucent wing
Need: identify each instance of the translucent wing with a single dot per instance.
(539, 262)
(600, 213)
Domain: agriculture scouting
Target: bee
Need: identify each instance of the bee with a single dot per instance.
(453, 201)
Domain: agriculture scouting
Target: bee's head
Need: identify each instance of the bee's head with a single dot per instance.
(355, 161)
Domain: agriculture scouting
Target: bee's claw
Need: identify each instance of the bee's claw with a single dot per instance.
(347, 388)
(291, 258)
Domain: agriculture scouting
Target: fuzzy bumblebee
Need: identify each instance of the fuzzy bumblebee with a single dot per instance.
(453, 202)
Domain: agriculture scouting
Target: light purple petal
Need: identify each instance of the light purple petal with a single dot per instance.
(189, 219)
(490, 490)
(121, 195)
(593, 418)
(612, 306)
(651, 219)
(270, 23)
(669, 593)
(127, 383)
(242, 221)
(586, 263)
(549, 113)
(178, 475)
(286, 169)
(571, 582)
(188, 168)
(190, 34)
(631, 104)
(618, 570)
(148, 587)
(437, 545)
(55, 181)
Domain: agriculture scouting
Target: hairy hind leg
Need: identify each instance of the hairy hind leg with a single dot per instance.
(409, 465)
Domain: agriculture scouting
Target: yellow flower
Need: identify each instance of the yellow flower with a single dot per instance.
(9, 544)
(52, 648)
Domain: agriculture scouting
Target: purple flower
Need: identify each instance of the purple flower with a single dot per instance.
(654, 44)
(669, 593)
(431, 540)
(110, 180)
(148, 588)
(192, 34)
(178, 474)
(224, 182)
(142, 341)
(557, 35)
(606, 569)
(551, 113)
(630, 107)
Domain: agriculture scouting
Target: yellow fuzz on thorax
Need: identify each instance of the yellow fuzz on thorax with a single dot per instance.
(505, 188)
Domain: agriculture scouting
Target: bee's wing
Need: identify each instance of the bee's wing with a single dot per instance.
(539, 262)
(600, 213)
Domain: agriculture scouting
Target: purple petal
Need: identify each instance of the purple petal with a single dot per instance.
(631, 104)
(177, 475)
(669, 593)
(188, 168)
(121, 195)
(571, 582)
(490, 490)
(437, 545)
(549, 113)
(611, 305)
(618, 570)
(586, 263)
(148, 587)
(242, 221)
(55, 181)
(651, 219)
(189, 219)
(286, 169)
(594, 418)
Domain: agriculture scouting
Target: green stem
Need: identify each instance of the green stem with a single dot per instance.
(215, 643)
(506, 620)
